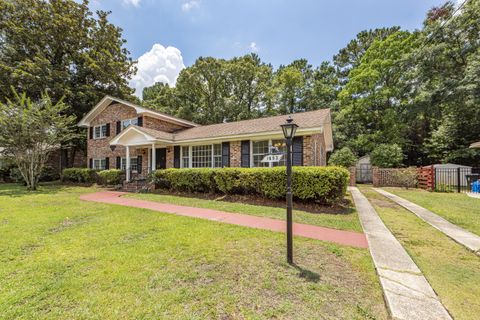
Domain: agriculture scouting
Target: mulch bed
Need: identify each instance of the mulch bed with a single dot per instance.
(343, 208)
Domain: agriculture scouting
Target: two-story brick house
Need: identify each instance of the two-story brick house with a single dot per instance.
(124, 135)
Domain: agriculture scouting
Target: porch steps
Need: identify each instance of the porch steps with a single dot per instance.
(136, 186)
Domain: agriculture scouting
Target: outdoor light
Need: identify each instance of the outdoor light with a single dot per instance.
(289, 130)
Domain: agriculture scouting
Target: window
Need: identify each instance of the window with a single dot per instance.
(126, 123)
(204, 156)
(217, 155)
(282, 147)
(185, 157)
(133, 164)
(100, 131)
(99, 164)
(260, 148)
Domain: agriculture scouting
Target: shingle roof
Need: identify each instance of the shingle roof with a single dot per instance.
(155, 133)
(310, 119)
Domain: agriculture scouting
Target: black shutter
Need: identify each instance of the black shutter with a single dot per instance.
(176, 156)
(119, 163)
(108, 129)
(90, 163)
(107, 163)
(245, 157)
(297, 151)
(140, 121)
(119, 126)
(91, 132)
(139, 164)
(225, 154)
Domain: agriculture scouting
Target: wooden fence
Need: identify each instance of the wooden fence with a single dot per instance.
(395, 177)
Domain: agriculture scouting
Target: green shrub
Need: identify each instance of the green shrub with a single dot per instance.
(387, 156)
(110, 177)
(79, 175)
(343, 158)
(186, 180)
(325, 185)
(49, 174)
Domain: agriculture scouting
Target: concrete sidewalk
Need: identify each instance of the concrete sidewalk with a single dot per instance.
(469, 240)
(408, 294)
(349, 238)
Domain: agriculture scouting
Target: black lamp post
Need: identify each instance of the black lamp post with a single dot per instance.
(289, 129)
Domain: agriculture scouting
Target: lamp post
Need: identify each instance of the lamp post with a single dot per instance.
(289, 129)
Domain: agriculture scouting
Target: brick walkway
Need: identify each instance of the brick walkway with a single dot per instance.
(350, 238)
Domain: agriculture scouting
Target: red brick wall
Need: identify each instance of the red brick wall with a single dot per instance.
(161, 125)
(314, 153)
(235, 154)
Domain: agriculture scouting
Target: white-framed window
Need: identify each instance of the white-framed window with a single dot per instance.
(185, 157)
(127, 122)
(261, 147)
(133, 163)
(202, 156)
(99, 164)
(100, 131)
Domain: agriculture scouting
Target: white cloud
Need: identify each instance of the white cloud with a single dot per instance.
(189, 5)
(134, 3)
(253, 47)
(160, 64)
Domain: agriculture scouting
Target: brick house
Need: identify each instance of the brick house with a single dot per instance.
(124, 135)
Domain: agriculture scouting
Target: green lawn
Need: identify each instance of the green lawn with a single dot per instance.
(458, 208)
(343, 221)
(452, 270)
(62, 258)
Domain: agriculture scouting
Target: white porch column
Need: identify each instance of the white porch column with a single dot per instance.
(154, 157)
(149, 160)
(127, 165)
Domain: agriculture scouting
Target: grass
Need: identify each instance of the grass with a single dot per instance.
(458, 208)
(452, 270)
(342, 221)
(62, 258)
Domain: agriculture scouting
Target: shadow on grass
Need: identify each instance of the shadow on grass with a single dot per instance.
(306, 274)
(19, 190)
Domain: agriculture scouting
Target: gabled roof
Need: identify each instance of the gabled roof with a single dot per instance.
(108, 100)
(311, 119)
(309, 123)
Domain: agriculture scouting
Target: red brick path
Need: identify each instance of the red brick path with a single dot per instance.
(350, 238)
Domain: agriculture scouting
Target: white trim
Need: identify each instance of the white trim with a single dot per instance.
(107, 100)
(101, 131)
(99, 159)
(475, 145)
(270, 164)
(260, 135)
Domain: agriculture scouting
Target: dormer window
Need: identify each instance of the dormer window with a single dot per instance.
(127, 122)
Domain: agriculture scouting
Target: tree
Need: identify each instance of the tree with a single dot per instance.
(343, 157)
(373, 100)
(30, 131)
(446, 90)
(59, 47)
(387, 156)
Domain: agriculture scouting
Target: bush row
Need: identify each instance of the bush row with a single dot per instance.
(326, 185)
(85, 175)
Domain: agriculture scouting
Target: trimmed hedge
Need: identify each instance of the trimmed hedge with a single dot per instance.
(110, 177)
(326, 185)
(79, 175)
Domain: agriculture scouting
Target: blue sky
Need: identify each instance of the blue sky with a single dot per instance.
(278, 30)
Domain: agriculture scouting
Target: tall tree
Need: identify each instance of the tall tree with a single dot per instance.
(60, 47)
(373, 99)
(446, 89)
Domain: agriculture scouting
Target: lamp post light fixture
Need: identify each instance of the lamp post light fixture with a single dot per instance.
(289, 128)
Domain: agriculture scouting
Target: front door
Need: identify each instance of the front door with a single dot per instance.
(161, 158)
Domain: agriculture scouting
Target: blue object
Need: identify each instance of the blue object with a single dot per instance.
(476, 186)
